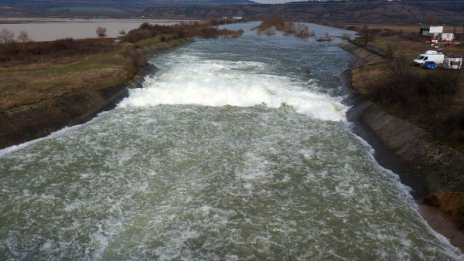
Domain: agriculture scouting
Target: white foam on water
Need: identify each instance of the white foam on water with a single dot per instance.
(241, 84)
(52, 135)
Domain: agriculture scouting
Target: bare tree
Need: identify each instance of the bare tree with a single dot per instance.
(23, 37)
(6, 36)
(303, 31)
(101, 31)
(365, 35)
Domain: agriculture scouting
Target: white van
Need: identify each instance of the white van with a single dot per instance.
(430, 55)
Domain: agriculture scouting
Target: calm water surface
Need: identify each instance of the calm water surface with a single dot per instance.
(53, 29)
(238, 149)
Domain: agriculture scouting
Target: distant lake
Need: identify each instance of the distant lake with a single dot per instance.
(53, 29)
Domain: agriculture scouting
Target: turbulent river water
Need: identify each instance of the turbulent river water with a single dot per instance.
(237, 149)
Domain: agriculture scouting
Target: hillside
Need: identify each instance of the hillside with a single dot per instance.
(365, 12)
(111, 3)
(89, 8)
(361, 11)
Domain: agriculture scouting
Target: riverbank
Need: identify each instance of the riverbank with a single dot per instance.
(41, 111)
(50, 85)
(432, 169)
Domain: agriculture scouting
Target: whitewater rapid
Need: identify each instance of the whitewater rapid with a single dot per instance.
(190, 80)
(237, 149)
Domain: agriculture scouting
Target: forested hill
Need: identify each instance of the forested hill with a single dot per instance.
(96, 8)
(353, 11)
(113, 3)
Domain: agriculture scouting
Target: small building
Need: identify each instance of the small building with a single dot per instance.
(424, 30)
(436, 29)
(430, 30)
(449, 37)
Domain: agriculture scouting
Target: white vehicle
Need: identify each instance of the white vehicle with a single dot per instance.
(430, 55)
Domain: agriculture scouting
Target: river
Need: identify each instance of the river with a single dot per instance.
(237, 149)
(48, 29)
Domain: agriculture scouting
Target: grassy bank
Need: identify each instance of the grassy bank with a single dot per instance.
(31, 83)
(430, 99)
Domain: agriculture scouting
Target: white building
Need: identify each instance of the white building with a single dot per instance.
(436, 29)
(449, 37)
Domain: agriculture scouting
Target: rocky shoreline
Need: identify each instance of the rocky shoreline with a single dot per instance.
(39, 120)
(433, 170)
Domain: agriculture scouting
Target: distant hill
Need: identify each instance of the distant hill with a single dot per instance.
(96, 8)
(354, 11)
(113, 3)
(346, 11)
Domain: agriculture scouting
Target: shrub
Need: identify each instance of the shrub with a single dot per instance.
(139, 60)
(273, 21)
(6, 36)
(303, 31)
(23, 37)
(101, 31)
(63, 44)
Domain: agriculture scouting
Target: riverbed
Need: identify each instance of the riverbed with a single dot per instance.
(236, 149)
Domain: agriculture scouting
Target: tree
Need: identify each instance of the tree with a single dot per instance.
(6, 36)
(122, 32)
(365, 35)
(101, 31)
(23, 37)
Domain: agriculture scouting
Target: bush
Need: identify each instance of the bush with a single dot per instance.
(402, 86)
(23, 37)
(6, 36)
(272, 21)
(186, 29)
(101, 31)
(63, 44)
(35, 51)
(451, 127)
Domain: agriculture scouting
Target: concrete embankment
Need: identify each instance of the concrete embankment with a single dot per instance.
(33, 121)
(425, 164)
(365, 56)
(432, 169)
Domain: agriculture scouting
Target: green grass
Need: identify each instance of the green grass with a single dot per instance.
(98, 61)
(153, 41)
(149, 42)
(29, 86)
(25, 85)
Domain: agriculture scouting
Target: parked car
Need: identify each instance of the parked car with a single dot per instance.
(430, 56)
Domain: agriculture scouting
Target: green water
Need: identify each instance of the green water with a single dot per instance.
(238, 149)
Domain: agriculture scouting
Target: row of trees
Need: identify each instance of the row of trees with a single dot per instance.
(272, 23)
(101, 32)
(8, 37)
